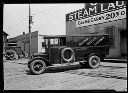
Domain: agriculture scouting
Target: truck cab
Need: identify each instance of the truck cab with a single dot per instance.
(88, 50)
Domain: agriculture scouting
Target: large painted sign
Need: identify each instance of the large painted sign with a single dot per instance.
(93, 41)
(93, 9)
(109, 16)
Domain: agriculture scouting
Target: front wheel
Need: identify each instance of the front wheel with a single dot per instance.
(94, 61)
(37, 67)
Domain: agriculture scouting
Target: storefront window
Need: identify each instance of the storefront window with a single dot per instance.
(110, 31)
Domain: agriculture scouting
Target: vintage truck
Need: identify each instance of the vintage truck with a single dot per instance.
(88, 50)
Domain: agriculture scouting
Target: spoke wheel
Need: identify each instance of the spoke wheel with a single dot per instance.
(37, 66)
(94, 61)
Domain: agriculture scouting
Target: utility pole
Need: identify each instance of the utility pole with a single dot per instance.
(29, 32)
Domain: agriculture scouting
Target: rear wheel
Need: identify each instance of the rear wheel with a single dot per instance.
(11, 54)
(37, 66)
(94, 61)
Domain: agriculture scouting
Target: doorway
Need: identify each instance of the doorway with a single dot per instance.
(123, 43)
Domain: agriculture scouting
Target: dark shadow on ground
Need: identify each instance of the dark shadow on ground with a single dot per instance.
(72, 69)
(23, 63)
(28, 72)
(58, 69)
(62, 68)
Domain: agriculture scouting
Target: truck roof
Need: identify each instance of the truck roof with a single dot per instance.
(57, 36)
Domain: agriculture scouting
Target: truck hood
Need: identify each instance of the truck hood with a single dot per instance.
(41, 54)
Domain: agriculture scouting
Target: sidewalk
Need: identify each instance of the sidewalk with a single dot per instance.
(116, 60)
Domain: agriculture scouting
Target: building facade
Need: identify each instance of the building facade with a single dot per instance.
(23, 42)
(5, 37)
(4, 40)
(101, 18)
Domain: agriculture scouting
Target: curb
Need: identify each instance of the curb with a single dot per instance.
(116, 60)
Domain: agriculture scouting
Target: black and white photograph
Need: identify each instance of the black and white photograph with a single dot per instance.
(65, 46)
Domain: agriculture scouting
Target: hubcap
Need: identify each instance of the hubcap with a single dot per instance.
(67, 54)
(94, 61)
(38, 66)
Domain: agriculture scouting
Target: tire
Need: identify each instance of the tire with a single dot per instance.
(7, 58)
(67, 54)
(37, 66)
(9, 55)
(16, 56)
(13, 53)
(94, 61)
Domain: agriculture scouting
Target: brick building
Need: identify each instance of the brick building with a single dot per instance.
(23, 42)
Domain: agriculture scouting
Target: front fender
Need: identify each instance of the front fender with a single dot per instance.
(41, 58)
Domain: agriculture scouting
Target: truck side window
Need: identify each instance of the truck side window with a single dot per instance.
(63, 41)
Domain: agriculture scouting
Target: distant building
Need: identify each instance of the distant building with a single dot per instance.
(23, 42)
(102, 18)
(4, 40)
(5, 37)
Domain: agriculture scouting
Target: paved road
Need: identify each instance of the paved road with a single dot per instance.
(109, 76)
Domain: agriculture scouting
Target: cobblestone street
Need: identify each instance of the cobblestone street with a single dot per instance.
(109, 76)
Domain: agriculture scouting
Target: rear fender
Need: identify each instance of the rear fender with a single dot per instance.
(41, 58)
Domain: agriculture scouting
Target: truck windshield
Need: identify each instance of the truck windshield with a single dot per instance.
(54, 42)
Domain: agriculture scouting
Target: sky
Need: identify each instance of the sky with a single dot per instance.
(48, 19)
